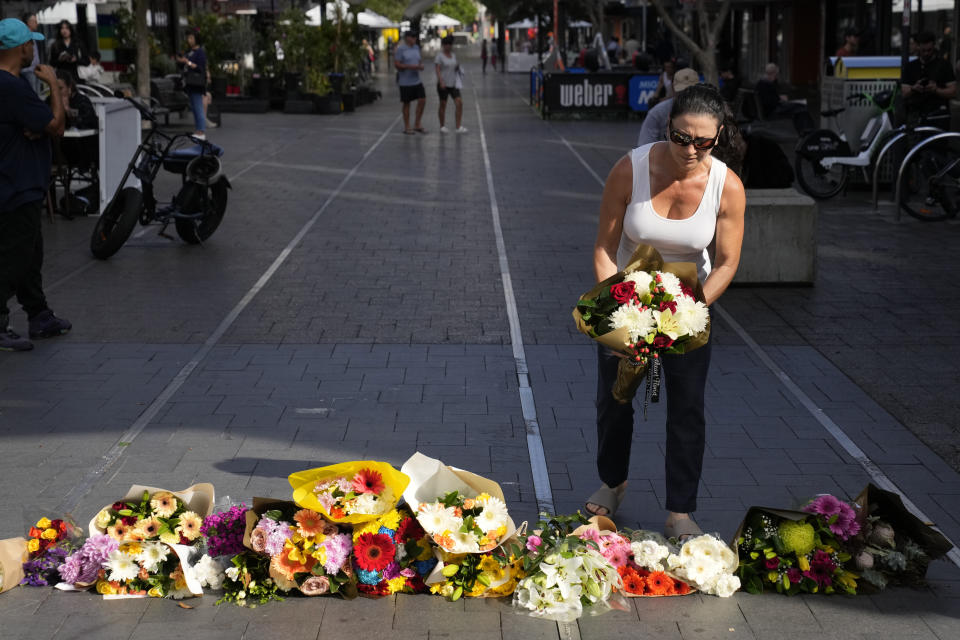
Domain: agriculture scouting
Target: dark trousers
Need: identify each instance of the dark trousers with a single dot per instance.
(21, 260)
(685, 378)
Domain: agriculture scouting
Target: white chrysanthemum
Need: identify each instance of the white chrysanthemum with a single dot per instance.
(366, 503)
(649, 553)
(641, 280)
(208, 573)
(726, 585)
(152, 555)
(494, 514)
(637, 321)
(233, 573)
(121, 567)
(436, 518)
(671, 283)
(674, 562)
(692, 315)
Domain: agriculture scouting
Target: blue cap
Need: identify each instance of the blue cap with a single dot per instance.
(14, 33)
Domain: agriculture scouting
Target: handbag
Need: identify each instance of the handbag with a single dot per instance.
(194, 79)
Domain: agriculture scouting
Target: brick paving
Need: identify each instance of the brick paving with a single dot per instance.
(385, 332)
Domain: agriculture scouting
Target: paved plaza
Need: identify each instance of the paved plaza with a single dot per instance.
(352, 306)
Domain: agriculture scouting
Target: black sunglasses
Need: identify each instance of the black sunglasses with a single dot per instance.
(701, 144)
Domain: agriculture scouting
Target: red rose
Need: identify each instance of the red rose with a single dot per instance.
(35, 533)
(623, 292)
(662, 342)
(687, 291)
(117, 506)
(672, 305)
(129, 520)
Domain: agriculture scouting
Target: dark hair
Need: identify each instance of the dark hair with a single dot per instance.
(73, 32)
(705, 99)
(851, 31)
(68, 78)
(409, 34)
(925, 37)
(95, 55)
(26, 15)
(447, 40)
(196, 37)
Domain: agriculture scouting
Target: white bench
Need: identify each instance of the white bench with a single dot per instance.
(780, 238)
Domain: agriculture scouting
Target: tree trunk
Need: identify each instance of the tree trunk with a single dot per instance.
(705, 52)
(143, 50)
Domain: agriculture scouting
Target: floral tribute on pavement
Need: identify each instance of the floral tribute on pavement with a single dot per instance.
(453, 537)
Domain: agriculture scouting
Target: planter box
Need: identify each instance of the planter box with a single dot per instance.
(327, 105)
(298, 106)
(349, 102)
(780, 238)
(243, 105)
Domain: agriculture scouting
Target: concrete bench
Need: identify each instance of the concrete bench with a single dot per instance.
(780, 238)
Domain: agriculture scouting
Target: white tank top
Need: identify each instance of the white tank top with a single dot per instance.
(686, 240)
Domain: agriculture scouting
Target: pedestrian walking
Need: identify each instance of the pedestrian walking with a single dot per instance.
(449, 84)
(65, 52)
(26, 125)
(409, 63)
(195, 81)
(483, 54)
(678, 198)
(30, 19)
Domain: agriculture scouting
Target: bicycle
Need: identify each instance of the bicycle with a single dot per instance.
(928, 185)
(824, 158)
(196, 210)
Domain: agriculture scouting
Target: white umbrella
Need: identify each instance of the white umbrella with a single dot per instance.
(440, 20)
(374, 20)
(526, 23)
(580, 24)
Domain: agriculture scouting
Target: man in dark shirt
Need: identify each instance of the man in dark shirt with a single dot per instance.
(26, 124)
(928, 83)
(776, 104)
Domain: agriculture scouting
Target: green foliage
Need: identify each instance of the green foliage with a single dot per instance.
(463, 10)
(392, 9)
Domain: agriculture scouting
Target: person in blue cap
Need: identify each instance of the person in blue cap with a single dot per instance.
(26, 124)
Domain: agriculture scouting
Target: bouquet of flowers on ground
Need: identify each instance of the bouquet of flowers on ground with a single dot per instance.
(462, 512)
(223, 531)
(797, 551)
(708, 564)
(148, 513)
(151, 569)
(306, 551)
(48, 544)
(247, 581)
(13, 553)
(644, 569)
(893, 546)
(648, 309)
(392, 554)
(82, 568)
(349, 492)
(566, 575)
(476, 575)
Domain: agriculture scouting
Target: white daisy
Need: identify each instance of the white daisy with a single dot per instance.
(494, 514)
(121, 567)
(152, 555)
(464, 542)
(638, 322)
(436, 518)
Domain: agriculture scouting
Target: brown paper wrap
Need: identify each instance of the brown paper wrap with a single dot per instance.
(13, 553)
(889, 507)
(645, 258)
(198, 498)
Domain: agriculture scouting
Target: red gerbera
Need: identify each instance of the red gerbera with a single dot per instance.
(368, 481)
(410, 529)
(659, 583)
(681, 588)
(633, 583)
(374, 551)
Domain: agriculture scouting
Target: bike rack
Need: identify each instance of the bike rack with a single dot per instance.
(897, 137)
(910, 154)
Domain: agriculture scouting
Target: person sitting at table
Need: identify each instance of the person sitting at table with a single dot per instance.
(92, 72)
(80, 111)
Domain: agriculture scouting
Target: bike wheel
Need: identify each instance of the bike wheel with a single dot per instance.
(817, 180)
(215, 205)
(929, 184)
(117, 223)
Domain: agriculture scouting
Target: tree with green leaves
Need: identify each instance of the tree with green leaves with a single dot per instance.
(463, 10)
(710, 26)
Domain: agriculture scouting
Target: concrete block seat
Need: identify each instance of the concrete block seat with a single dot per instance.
(779, 241)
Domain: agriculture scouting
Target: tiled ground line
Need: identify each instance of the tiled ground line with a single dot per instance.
(836, 432)
(80, 489)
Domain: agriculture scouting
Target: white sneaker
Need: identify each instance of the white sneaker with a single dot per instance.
(199, 136)
(444, 130)
(211, 125)
(461, 129)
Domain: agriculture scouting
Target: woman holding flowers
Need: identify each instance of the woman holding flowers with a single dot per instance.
(680, 199)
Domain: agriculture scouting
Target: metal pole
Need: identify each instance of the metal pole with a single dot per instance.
(644, 43)
(904, 61)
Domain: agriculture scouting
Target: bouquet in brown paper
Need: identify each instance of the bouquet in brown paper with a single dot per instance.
(13, 553)
(893, 546)
(640, 557)
(649, 309)
(307, 552)
(149, 513)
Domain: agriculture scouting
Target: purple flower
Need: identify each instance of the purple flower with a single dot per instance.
(41, 571)
(338, 549)
(391, 571)
(277, 534)
(794, 575)
(224, 531)
(83, 566)
(408, 573)
(821, 569)
(840, 516)
(772, 563)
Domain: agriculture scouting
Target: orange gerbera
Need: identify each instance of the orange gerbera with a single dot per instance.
(681, 588)
(633, 583)
(660, 584)
(309, 523)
